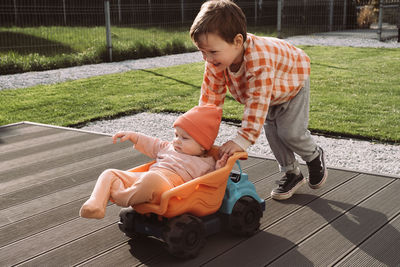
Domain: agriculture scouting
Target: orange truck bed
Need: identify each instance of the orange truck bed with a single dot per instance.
(201, 196)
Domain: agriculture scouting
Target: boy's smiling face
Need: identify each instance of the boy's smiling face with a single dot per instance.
(220, 53)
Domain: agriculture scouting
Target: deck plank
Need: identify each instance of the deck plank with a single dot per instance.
(68, 168)
(35, 245)
(32, 144)
(342, 235)
(46, 160)
(78, 250)
(130, 253)
(22, 132)
(381, 249)
(61, 183)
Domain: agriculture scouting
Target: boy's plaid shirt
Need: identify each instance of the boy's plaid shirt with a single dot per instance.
(272, 73)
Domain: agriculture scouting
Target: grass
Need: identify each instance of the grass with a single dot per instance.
(354, 92)
(43, 48)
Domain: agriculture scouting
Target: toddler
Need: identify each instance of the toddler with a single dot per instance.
(179, 161)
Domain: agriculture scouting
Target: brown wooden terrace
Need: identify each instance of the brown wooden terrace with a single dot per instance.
(47, 172)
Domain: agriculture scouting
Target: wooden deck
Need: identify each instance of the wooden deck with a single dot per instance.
(46, 173)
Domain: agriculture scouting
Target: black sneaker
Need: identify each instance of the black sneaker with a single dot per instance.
(287, 186)
(317, 171)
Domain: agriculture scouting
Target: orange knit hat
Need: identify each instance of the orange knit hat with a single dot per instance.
(201, 123)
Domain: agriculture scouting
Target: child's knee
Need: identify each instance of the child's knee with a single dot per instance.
(154, 182)
(289, 137)
(110, 173)
(152, 179)
(147, 189)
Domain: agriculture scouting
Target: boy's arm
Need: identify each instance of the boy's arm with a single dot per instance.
(259, 91)
(213, 88)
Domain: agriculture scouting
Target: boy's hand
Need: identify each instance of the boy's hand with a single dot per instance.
(229, 148)
(221, 162)
(123, 136)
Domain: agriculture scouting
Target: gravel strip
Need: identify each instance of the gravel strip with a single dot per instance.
(354, 38)
(29, 79)
(341, 153)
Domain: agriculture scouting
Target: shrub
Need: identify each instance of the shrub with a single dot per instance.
(367, 16)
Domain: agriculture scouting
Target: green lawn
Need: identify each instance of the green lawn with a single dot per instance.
(25, 49)
(354, 92)
(43, 48)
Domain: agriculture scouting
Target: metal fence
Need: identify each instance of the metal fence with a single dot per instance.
(288, 17)
(310, 16)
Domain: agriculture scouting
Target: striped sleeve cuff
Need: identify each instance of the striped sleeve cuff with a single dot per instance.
(242, 142)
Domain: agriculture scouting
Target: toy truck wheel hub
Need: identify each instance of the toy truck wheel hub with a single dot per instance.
(249, 217)
(192, 238)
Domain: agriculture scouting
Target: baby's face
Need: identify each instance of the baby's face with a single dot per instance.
(184, 143)
(220, 53)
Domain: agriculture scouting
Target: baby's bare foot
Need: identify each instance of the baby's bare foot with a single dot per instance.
(92, 210)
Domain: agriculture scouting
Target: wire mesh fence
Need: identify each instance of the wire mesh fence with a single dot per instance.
(377, 19)
(54, 27)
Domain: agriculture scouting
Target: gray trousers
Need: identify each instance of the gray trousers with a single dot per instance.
(286, 130)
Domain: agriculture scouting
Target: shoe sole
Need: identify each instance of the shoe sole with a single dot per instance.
(289, 194)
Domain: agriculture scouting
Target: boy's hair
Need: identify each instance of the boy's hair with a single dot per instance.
(221, 17)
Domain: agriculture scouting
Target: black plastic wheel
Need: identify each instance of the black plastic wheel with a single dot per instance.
(185, 236)
(126, 222)
(245, 217)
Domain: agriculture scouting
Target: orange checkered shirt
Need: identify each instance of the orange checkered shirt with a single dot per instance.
(272, 73)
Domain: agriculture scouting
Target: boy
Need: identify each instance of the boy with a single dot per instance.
(271, 78)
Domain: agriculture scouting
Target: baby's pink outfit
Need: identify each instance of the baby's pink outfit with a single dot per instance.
(170, 170)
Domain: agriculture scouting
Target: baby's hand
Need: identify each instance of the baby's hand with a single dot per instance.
(221, 162)
(123, 136)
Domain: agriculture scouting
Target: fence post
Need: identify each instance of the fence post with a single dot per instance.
(65, 13)
(150, 12)
(279, 18)
(331, 15)
(15, 12)
(398, 24)
(380, 20)
(182, 12)
(108, 28)
(119, 12)
(344, 14)
(255, 12)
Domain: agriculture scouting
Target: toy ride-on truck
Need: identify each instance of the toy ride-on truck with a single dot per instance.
(188, 213)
